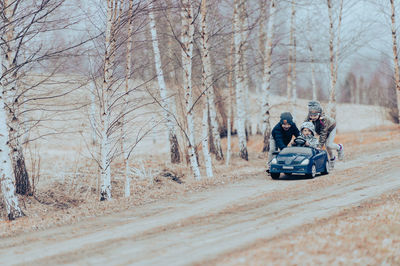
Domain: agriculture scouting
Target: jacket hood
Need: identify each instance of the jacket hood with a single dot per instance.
(308, 125)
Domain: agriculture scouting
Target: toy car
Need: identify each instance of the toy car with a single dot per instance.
(299, 159)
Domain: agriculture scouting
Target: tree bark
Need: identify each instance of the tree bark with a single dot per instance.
(166, 102)
(107, 91)
(206, 153)
(11, 99)
(187, 53)
(266, 126)
(128, 70)
(230, 105)
(6, 170)
(92, 113)
(244, 26)
(313, 82)
(239, 78)
(208, 83)
(294, 61)
(333, 58)
(332, 91)
(289, 80)
(395, 57)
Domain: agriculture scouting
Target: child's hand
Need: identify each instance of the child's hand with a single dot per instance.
(307, 144)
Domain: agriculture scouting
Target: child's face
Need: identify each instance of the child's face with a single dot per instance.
(306, 132)
(285, 125)
(314, 116)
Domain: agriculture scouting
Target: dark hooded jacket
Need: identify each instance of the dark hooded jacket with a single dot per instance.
(282, 138)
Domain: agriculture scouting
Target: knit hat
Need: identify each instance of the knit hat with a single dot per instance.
(287, 116)
(314, 107)
(308, 125)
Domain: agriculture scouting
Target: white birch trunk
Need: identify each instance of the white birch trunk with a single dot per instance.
(105, 151)
(313, 82)
(206, 152)
(239, 78)
(332, 92)
(11, 99)
(92, 113)
(244, 25)
(266, 126)
(333, 58)
(230, 105)
(228, 141)
(167, 103)
(208, 83)
(395, 56)
(6, 170)
(261, 44)
(24, 128)
(128, 70)
(289, 81)
(187, 52)
(294, 85)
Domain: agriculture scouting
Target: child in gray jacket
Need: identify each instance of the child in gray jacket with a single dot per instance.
(307, 131)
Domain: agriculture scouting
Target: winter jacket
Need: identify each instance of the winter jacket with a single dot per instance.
(323, 126)
(311, 139)
(282, 138)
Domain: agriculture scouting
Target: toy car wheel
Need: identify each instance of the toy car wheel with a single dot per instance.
(326, 171)
(275, 175)
(313, 172)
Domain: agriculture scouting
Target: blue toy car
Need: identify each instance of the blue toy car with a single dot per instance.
(299, 160)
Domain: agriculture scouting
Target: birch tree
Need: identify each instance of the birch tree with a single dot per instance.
(230, 105)
(290, 75)
(187, 53)
(206, 152)
(313, 82)
(333, 57)
(167, 102)
(6, 170)
(92, 113)
(267, 68)
(239, 78)
(244, 25)
(208, 82)
(395, 56)
(294, 62)
(128, 71)
(106, 95)
(26, 30)
(11, 92)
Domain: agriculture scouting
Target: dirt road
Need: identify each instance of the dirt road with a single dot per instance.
(204, 226)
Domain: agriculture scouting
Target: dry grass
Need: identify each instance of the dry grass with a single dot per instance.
(64, 197)
(67, 197)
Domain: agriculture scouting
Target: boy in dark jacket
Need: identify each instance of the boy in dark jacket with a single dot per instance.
(282, 134)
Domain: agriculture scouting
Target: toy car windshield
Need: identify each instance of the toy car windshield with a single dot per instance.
(297, 150)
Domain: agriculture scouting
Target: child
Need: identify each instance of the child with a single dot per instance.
(282, 134)
(307, 131)
(325, 127)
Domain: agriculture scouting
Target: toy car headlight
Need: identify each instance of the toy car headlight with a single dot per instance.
(274, 161)
(305, 162)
